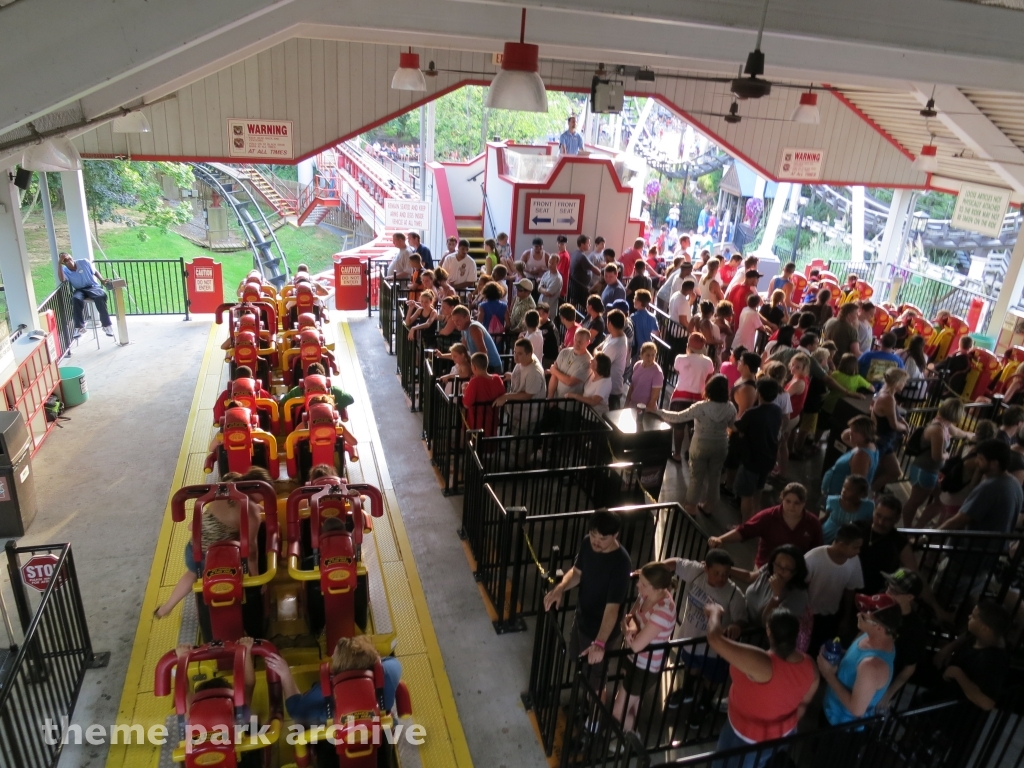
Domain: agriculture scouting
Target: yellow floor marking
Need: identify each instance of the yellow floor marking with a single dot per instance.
(424, 672)
(423, 666)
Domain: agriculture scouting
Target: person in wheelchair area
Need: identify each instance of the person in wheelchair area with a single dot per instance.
(88, 285)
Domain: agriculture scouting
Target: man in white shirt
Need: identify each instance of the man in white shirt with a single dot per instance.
(526, 383)
(617, 349)
(400, 266)
(460, 267)
(833, 574)
(572, 366)
(680, 306)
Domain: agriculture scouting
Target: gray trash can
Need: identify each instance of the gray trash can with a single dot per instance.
(17, 483)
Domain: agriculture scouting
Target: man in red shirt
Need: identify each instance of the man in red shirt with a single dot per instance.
(738, 295)
(564, 263)
(630, 257)
(479, 394)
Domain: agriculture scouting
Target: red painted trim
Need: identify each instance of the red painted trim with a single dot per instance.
(444, 199)
(860, 113)
(697, 124)
(529, 230)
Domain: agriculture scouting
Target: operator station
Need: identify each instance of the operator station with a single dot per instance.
(469, 382)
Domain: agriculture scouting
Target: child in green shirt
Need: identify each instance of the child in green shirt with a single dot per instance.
(847, 375)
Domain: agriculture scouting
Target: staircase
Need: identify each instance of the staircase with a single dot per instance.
(473, 231)
(256, 230)
(267, 190)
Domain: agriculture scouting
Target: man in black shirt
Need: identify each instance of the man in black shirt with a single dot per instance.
(601, 571)
(550, 335)
(955, 368)
(911, 643)
(886, 550)
(758, 429)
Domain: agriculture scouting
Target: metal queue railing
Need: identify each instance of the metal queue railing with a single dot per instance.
(60, 303)
(44, 680)
(155, 286)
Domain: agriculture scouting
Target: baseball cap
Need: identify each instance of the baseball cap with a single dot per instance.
(883, 610)
(753, 273)
(525, 285)
(904, 582)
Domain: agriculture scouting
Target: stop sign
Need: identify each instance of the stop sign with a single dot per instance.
(38, 570)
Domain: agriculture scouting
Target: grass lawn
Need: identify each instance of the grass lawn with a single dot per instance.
(309, 245)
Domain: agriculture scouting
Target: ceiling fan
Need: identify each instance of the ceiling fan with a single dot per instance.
(753, 86)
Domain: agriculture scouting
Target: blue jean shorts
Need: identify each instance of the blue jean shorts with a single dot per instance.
(190, 561)
(924, 478)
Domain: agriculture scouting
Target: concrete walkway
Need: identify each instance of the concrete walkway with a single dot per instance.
(487, 671)
(103, 481)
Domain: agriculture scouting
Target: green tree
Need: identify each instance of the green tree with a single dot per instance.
(460, 128)
(117, 189)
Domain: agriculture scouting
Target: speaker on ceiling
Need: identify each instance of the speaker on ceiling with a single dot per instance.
(22, 178)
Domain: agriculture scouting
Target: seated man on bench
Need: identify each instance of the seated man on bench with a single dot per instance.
(87, 283)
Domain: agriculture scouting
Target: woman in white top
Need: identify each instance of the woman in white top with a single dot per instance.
(550, 285)
(710, 287)
(598, 388)
(914, 361)
(671, 283)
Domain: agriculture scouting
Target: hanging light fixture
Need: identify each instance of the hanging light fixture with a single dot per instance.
(807, 112)
(518, 85)
(52, 155)
(753, 86)
(927, 161)
(734, 114)
(408, 76)
(133, 122)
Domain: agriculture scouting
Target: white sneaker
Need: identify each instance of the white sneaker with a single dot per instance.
(108, 330)
(78, 332)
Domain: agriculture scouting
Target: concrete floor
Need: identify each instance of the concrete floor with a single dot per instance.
(103, 482)
(487, 671)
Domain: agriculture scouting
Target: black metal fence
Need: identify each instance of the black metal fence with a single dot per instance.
(155, 286)
(43, 681)
(59, 302)
(912, 739)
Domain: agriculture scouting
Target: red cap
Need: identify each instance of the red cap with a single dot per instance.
(872, 603)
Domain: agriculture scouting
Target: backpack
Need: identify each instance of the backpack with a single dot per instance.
(495, 326)
(915, 443)
(953, 475)
(54, 407)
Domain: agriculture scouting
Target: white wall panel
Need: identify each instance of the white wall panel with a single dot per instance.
(333, 90)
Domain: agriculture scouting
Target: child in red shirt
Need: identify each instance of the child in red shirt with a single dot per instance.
(479, 393)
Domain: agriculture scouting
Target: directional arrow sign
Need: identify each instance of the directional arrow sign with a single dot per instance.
(553, 213)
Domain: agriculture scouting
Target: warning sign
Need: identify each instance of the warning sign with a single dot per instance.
(350, 275)
(980, 209)
(406, 214)
(801, 164)
(261, 139)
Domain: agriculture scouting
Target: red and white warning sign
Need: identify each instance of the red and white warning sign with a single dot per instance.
(37, 571)
(801, 164)
(265, 139)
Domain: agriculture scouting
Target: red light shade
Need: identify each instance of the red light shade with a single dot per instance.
(408, 60)
(927, 161)
(521, 57)
(408, 76)
(807, 111)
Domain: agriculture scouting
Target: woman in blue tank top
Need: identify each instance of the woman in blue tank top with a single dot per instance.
(864, 674)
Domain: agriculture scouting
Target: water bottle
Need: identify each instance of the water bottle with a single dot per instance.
(833, 652)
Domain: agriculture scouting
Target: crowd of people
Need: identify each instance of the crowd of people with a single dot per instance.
(836, 593)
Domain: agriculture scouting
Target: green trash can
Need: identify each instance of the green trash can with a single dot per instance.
(984, 342)
(73, 386)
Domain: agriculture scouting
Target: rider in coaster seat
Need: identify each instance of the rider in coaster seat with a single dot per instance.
(350, 654)
(342, 399)
(220, 523)
(242, 373)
